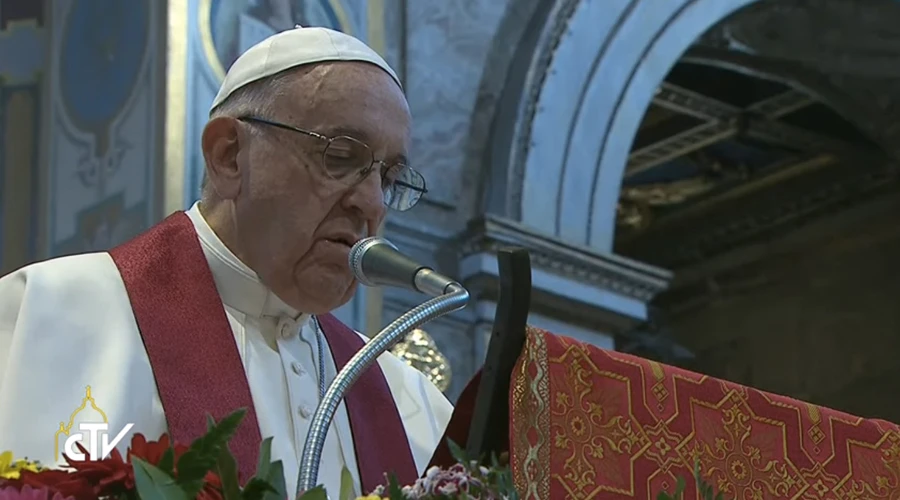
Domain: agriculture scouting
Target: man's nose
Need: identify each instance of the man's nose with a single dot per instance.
(367, 198)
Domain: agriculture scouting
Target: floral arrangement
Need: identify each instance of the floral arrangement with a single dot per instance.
(206, 470)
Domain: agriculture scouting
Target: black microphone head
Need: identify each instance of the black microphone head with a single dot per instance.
(359, 251)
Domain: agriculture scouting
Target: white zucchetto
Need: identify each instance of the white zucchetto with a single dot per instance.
(292, 48)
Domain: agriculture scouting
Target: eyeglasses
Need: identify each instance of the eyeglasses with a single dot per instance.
(349, 161)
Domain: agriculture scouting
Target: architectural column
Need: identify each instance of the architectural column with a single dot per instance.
(23, 45)
(576, 292)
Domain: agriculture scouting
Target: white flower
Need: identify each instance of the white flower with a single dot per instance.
(448, 489)
(433, 472)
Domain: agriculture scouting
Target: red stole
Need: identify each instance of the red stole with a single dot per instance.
(198, 369)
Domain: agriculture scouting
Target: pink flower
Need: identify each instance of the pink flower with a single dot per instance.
(29, 493)
(453, 481)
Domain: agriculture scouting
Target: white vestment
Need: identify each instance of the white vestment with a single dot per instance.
(67, 323)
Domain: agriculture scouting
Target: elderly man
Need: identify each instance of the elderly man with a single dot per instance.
(226, 306)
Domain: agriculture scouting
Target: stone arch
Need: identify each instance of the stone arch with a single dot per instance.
(507, 62)
(587, 86)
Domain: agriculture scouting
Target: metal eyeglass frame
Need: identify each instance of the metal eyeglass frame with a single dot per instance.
(363, 173)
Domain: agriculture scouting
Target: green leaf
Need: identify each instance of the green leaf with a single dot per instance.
(680, 485)
(317, 493)
(203, 454)
(275, 479)
(346, 485)
(267, 473)
(228, 473)
(265, 458)
(394, 490)
(154, 484)
(167, 462)
(265, 455)
(458, 453)
(256, 489)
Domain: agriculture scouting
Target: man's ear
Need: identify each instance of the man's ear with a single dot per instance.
(220, 144)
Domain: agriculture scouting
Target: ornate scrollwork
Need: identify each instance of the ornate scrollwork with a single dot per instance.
(419, 350)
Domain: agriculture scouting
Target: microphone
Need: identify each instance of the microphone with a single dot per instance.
(377, 262)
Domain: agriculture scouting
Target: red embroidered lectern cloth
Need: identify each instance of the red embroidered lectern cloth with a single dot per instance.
(593, 424)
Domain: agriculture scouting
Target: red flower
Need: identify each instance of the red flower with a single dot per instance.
(109, 477)
(212, 488)
(57, 481)
(151, 451)
(112, 476)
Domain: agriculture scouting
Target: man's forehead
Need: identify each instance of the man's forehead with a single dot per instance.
(354, 88)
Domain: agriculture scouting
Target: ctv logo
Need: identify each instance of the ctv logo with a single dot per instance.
(94, 435)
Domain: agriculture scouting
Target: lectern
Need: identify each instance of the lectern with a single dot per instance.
(586, 423)
(481, 419)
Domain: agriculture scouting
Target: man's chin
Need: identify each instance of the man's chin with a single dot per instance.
(325, 295)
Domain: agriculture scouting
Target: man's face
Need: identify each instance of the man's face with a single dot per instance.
(293, 224)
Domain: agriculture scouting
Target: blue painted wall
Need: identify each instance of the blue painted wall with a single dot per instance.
(80, 118)
(105, 118)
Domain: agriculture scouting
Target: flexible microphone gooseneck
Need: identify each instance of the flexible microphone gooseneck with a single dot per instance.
(376, 262)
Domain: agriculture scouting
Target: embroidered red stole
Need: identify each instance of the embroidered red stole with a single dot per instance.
(180, 315)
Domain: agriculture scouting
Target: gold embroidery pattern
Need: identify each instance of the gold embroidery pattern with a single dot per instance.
(589, 423)
(588, 429)
(530, 397)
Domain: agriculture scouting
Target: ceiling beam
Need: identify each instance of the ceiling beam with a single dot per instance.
(680, 144)
(688, 102)
(720, 126)
(791, 137)
(782, 104)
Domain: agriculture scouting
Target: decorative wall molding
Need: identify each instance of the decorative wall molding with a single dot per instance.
(556, 27)
(620, 275)
(576, 292)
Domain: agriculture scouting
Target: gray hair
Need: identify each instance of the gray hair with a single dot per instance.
(254, 99)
